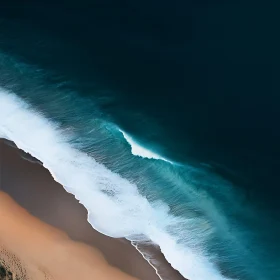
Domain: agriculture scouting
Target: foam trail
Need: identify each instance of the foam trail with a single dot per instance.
(138, 150)
(127, 212)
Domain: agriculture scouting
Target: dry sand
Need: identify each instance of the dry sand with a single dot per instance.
(35, 250)
(54, 236)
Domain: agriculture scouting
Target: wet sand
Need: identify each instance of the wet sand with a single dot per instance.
(35, 250)
(33, 188)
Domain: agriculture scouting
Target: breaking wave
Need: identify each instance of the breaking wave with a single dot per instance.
(138, 150)
(116, 206)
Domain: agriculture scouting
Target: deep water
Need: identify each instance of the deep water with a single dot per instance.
(192, 82)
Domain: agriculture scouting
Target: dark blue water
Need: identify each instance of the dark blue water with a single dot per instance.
(194, 81)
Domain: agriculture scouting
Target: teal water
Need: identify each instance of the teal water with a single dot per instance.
(162, 125)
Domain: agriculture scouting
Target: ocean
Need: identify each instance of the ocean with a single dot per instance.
(160, 117)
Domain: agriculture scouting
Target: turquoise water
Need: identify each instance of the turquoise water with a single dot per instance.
(142, 115)
(202, 222)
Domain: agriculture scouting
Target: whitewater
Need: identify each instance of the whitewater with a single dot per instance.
(138, 150)
(127, 213)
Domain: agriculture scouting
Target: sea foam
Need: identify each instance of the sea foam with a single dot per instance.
(138, 150)
(115, 206)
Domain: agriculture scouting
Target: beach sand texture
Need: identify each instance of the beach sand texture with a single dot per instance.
(34, 250)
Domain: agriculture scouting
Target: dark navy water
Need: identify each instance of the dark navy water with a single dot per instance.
(196, 82)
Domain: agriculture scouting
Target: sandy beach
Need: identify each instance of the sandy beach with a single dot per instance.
(44, 233)
(34, 250)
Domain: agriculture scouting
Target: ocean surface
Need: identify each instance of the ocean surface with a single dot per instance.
(161, 117)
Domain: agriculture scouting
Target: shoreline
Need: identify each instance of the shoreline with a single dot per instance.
(131, 261)
(32, 249)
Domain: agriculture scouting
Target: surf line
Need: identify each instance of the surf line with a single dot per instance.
(140, 151)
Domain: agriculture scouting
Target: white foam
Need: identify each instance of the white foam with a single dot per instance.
(138, 150)
(114, 205)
